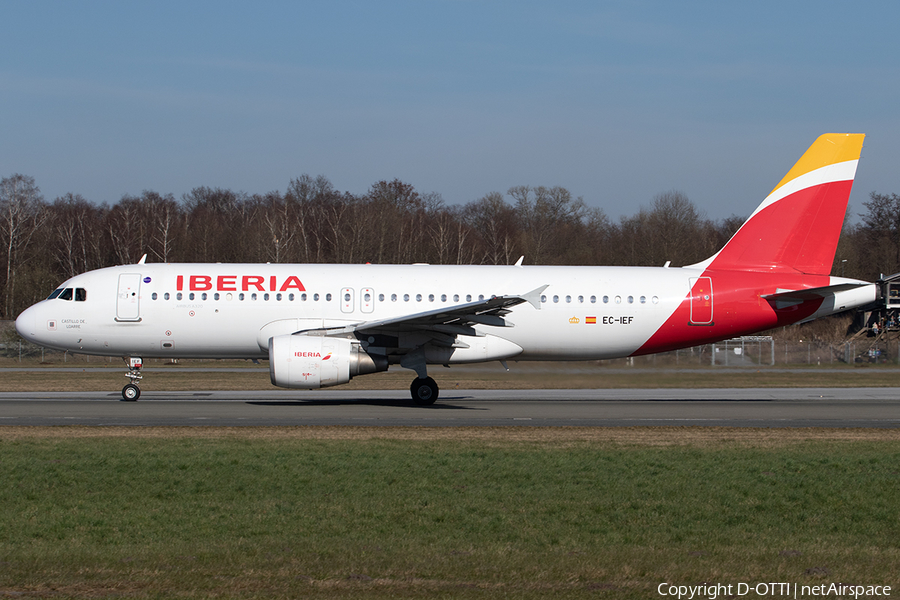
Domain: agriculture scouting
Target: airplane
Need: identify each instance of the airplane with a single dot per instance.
(320, 325)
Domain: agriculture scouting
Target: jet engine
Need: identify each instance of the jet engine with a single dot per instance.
(311, 362)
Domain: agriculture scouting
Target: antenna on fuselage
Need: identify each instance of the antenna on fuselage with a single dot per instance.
(143, 260)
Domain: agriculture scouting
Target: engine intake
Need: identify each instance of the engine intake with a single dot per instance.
(311, 362)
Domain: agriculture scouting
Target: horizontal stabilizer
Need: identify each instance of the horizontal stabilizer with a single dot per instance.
(813, 293)
(829, 299)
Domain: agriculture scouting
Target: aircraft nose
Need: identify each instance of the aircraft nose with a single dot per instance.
(26, 323)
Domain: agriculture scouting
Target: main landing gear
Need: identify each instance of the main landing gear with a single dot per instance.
(131, 392)
(424, 391)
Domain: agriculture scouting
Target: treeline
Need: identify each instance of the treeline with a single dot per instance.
(45, 242)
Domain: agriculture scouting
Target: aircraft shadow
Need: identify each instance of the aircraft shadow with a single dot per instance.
(386, 402)
(702, 400)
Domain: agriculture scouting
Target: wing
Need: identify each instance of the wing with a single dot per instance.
(436, 335)
(450, 321)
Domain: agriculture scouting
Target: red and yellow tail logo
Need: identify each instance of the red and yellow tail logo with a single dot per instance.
(796, 228)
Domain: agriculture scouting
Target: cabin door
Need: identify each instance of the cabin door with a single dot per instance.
(701, 301)
(128, 302)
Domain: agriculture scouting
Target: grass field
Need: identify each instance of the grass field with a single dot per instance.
(446, 513)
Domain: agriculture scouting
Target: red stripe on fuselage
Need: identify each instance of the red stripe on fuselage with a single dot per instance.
(788, 245)
(738, 309)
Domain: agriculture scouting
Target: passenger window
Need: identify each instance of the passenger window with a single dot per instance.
(290, 297)
(480, 297)
(303, 297)
(191, 296)
(406, 297)
(253, 296)
(418, 297)
(593, 299)
(216, 296)
(327, 297)
(543, 298)
(278, 297)
(580, 299)
(203, 296)
(456, 297)
(393, 297)
(431, 297)
(443, 297)
(315, 297)
(166, 296)
(468, 297)
(266, 297)
(66, 294)
(178, 296)
(241, 296)
(643, 299)
(555, 299)
(568, 299)
(153, 296)
(605, 299)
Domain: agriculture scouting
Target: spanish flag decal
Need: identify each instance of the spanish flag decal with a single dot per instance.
(590, 320)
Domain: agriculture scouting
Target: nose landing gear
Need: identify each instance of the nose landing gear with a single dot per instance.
(131, 392)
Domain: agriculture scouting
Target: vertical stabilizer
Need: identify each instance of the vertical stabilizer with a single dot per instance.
(796, 228)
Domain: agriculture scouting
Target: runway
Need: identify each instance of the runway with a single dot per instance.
(751, 407)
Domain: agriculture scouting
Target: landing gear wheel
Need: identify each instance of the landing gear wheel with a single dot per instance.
(131, 392)
(424, 391)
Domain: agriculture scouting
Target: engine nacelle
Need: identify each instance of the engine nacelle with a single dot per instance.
(311, 362)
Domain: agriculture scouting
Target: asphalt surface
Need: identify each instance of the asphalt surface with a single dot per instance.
(752, 407)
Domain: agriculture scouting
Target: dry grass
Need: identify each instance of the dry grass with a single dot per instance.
(521, 376)
(704, 437)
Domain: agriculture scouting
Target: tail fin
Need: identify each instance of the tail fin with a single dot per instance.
(796, 228)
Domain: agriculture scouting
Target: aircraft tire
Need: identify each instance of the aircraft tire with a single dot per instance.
(424, 391)
(131, 392)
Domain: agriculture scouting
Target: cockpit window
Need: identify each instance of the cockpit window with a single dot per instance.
(78, 294)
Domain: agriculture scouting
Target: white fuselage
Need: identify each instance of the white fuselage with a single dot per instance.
(231, 310)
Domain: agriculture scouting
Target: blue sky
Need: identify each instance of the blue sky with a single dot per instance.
(616, 101)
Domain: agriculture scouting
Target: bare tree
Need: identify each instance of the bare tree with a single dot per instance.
(547, 219)
(880, 235)
(74, 223)
(494, 221)
(165, 218)
(22, 213)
